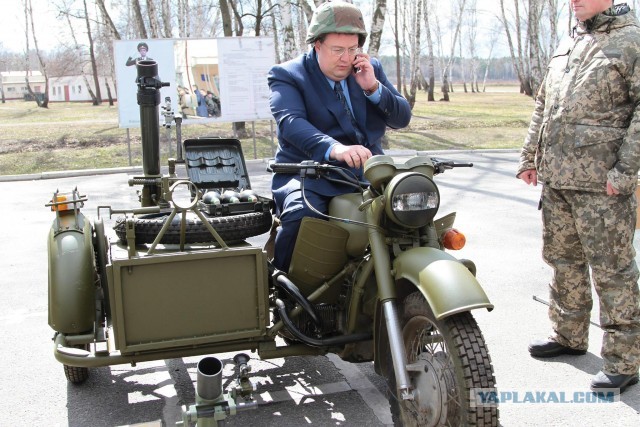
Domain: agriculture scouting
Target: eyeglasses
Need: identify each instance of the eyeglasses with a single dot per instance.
(339, 51)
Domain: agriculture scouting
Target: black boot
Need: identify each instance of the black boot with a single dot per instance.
(550, 348)
(620, 381)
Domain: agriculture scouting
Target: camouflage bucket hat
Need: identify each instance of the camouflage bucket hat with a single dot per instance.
(336, 17)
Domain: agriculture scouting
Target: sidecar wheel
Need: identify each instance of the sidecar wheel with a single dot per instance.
(233, 227)
(448, 359)
(76, 375)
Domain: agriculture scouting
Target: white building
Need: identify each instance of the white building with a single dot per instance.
(74, 88)
(61, 89)
(14, 86)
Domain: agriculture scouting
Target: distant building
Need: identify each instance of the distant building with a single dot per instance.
(74, 89)
(61, 89)
(14, 86)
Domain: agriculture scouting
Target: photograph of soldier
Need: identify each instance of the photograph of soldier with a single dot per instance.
(143, 49)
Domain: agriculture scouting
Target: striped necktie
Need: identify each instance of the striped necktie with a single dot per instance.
(337, 88)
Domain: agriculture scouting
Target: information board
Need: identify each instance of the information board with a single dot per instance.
(222, 79)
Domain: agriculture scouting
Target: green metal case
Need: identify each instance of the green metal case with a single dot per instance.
(193, 298)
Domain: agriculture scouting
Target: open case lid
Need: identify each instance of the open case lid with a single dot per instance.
(214, 163)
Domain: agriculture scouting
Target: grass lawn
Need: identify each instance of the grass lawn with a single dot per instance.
(81, 136)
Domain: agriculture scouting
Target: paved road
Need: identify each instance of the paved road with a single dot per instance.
(496, 212)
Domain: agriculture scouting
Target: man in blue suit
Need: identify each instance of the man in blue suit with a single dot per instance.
(331, 105)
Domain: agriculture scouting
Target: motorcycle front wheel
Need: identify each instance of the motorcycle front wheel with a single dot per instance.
(447, 362)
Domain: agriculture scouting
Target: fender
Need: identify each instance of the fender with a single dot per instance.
(447, 285)
(71, 275)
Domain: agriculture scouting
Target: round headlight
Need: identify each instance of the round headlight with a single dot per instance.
(412, 199)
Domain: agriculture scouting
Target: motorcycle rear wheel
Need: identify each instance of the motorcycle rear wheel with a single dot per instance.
(447, 359)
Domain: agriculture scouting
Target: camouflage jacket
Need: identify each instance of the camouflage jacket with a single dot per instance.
(585, 127)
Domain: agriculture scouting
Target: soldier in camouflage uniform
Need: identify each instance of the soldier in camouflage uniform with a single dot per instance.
(583, 144)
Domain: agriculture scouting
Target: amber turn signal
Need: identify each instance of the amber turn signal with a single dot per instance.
(58, 205)
(453, 240)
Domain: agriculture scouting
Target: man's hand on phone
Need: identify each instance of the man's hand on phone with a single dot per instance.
(363, 71)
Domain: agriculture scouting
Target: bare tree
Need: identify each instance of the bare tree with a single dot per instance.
(447, 67)
(107, 19)
(152, 14)
(225, 14)
(92, 57)
(472, 33)
(165, 7)
(516, 51)
(137, 14)
(238, 24)
(414, 38)
(28, 15)
(463, 74)
(396, 39)
(276, 42)
(493, 38)
(80, 54)
(288, 38)
(377, 25)
(530, 52)
(183, 17)
(308, 11)
(430, 58)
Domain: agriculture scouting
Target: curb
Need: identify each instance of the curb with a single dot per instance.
(138, 169)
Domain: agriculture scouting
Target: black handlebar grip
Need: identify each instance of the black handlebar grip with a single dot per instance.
(288, 167)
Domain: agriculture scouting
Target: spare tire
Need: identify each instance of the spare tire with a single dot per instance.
(230, 228)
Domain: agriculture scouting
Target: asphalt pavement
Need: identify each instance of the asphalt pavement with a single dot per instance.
(498, 214)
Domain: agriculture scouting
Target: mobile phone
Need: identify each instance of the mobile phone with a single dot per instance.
(356, 69)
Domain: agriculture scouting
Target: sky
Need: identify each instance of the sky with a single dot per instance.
(12, 22)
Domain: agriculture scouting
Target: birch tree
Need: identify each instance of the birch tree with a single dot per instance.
(414, 39)
(165, 11)
(28, 15)
(92, 57)
(152, 15)
(108, 22)
(472, 34)
(447, 66)
(515, 48)
(79, 54)
(430, 58)
(377, 25)
(288, 35)
(396, 39)
(139, 21)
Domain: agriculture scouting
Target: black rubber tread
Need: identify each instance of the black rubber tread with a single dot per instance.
(75, 374)
(230, 228)
(473, 368)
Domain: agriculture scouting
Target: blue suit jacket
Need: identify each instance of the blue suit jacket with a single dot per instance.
(310, 118)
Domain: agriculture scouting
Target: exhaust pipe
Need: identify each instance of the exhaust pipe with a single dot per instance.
(209, 379)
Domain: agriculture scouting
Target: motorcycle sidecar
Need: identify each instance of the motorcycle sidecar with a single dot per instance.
(203, 290)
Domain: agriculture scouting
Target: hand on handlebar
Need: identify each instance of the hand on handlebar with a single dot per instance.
(352, 155)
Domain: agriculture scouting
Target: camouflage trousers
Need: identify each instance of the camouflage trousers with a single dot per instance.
(583, 230)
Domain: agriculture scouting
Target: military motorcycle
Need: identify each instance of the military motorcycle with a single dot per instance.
(370, 282)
